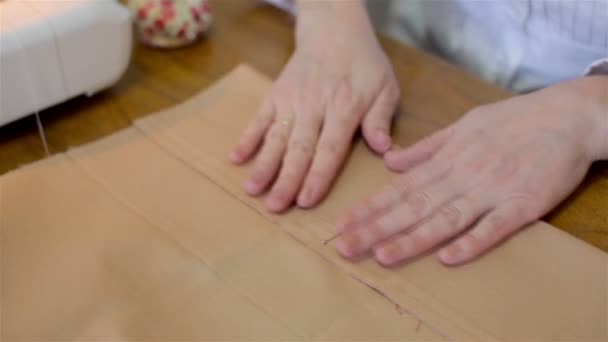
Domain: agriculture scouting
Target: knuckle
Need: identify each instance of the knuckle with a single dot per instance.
(390, 223)
(330, 147)
(346, 107)
(452, 215)
(319, 175)
(525, 211)
(308, 103)
(424, 236)
(287, 180)
(419, 201)
(481, 163)
(301, 146)
(344, 94)
(391, 194)
(278, 135)
(343, 118)
(478, 236)
(403, 183)
(497, 222)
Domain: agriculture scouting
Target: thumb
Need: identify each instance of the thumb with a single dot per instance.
(377, 122)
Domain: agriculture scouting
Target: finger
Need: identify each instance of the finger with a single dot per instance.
(491, 229)
(332, 148)
(405, 159)
(269, 159)
(415, 207)
(330, 153)
(254, 133)
(299, 155)
(392, 194)
(377, 123)
(449, 221)
(372, 206)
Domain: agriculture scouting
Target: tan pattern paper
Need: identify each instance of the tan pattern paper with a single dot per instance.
(147, 235)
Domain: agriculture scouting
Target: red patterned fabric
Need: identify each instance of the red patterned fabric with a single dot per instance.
(171, 23)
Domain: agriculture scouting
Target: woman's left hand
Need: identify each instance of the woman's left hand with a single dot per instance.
(499, 168)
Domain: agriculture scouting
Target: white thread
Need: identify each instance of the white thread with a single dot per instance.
(45, 145)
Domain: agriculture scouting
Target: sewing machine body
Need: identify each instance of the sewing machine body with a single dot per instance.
(54, 50)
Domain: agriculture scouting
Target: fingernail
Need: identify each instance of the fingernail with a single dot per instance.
(275, 202)
(306, 198)
(235, 157)
(347, 245)
(391, 156)
(393, 161)
(252, 187)
(452, 254)
(383, 141)
(387, 256)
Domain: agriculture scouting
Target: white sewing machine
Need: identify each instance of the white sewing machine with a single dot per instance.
(54, 50)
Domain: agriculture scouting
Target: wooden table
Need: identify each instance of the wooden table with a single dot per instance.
(434, 94)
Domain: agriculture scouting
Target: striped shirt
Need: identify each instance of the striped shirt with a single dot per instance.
(518, 44)
(582, 21)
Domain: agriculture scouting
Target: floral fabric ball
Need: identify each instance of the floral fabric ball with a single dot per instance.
(170, 23)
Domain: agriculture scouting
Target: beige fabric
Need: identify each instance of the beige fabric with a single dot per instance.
(80, 262)
(284, 278)
(147, 235)
(78, 265)
(519, 291)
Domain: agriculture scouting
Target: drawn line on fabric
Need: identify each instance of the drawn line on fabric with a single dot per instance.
(158, 227)
(384, 295)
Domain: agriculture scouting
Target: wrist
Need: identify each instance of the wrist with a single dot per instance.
(604, 119)
(604, 149)
(592, 93)
(352, 7)
(331, 18)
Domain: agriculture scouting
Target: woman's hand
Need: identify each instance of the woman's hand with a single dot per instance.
(499, 168)
(337, 79)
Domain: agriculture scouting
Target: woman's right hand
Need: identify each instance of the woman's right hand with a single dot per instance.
(337, 80)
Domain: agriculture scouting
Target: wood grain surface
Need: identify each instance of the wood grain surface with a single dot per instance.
(246, 31)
